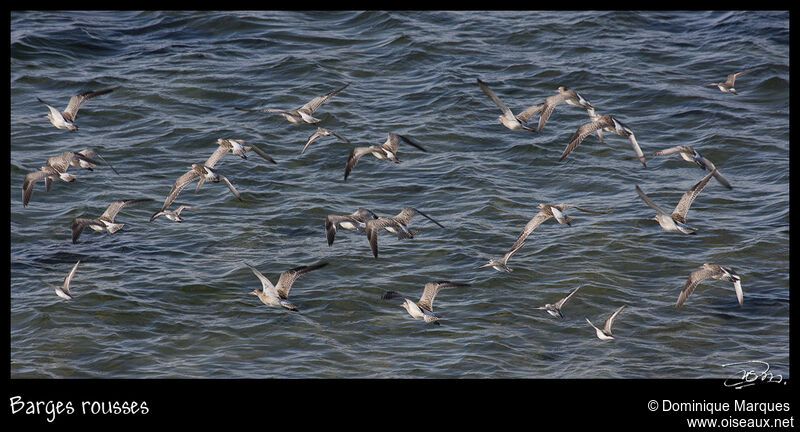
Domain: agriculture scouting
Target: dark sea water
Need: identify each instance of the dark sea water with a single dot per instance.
(170, 300)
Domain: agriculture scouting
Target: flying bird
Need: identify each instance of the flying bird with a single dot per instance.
(173, 215)
(387, 150)
(608, 123)
(710, 271)
(63, 290)
(106, 221)
(302, 114)
(277, 295)
(236, 147)
(688, 153)
(45, 172)
(397, 225)
(423, 309)
(605, 332)
(201, 173)
(356, 221)
(501, 264)
(320, 132)
(727, 85)
(66, 118)
(571, 97)
(508, 119)
(555, 308)
(546, 211)
(676, 221)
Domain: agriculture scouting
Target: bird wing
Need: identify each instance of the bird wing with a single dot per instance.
(732, 77)
(405, 140)
(266, 285)
(549, 105)
(230, 186)
(261, 153)
(221, 151)
(340, 137)
(76, 101)
(311, 139)
(506, 111)
(717, 175)
(363, 214)
(288, 277)
(649, 202)
(355, 155)
(116, 206)
(610, 319)
(60, 162)
(667, 151)
(78, 224)
(686, 200)
(53, 110)
(90, 153)
(179, 184)
(565, 206)
(430, 291)
(583, 131)
(28, 183)
(530, 226)
(330, 226)
(514, 248)
(637, 149)
(526, 115)
(408, 212)
(68, 278)
(313, 104)
(691, 282)
(564, 300)
(371, 229)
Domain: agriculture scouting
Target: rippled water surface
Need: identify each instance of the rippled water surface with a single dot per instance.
(170, 300)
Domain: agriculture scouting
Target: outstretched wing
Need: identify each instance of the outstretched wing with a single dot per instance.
(506, 111)
(91, 154)
(230, 186)
(564, 300)
(116, 206)
(68, 278)
(178, 186)
(407, 213)
(288, 277)
(266, 285)
(430, 291)
(526, 115)
(691, 282)
(78, 224)
(610, 319)
(583, 131)
(261, 153)
(649, 202)
(221, 151)
(373, 226)
(76, 101)
(28, 183)
(313, 104)
(686, 200)
(529, 227)
(549, 105)
(353, 157)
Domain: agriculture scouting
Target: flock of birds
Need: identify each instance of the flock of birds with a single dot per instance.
(367, 222)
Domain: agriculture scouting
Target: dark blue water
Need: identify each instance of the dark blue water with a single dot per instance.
(170, 300)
